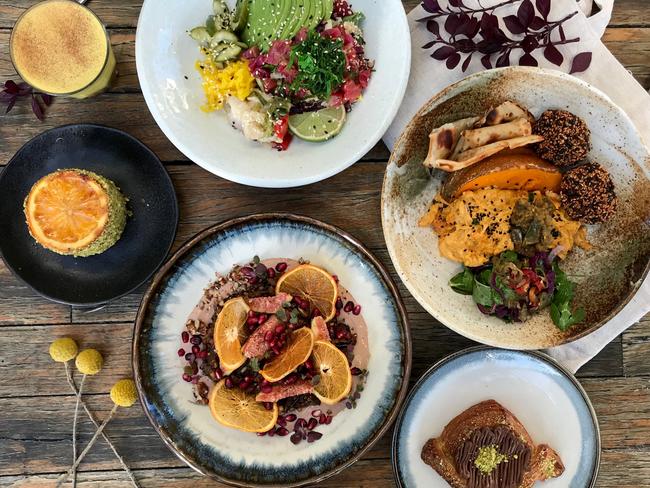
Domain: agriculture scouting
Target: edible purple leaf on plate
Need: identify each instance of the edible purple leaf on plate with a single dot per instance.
(513, 24)
(528, 60)
(526, 13)
(553, 55)
(453, 60)
(581, 62)
(544, 7)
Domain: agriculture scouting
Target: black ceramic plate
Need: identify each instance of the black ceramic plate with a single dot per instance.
(148, 234)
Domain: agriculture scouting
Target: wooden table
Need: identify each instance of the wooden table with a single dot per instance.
(36, 406)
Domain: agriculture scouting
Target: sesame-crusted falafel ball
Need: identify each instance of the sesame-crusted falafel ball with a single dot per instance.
(566, 137)
(587, 194)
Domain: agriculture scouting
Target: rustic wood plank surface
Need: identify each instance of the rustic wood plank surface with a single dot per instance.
(35, 403)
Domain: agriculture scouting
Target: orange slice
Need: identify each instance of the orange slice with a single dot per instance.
(335, 376)
(313, 284)
(228, 334)
(298, 349)
(235, 408)
(66, 211)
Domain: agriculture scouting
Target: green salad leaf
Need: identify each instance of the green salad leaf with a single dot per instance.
(561, 311)
(463, 282)
(321, 64)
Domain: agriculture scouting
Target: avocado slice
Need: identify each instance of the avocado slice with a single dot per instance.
(300, 15)
(328, 8)
(251, 33)
(315, 14)
(270, 20)
(284, 18)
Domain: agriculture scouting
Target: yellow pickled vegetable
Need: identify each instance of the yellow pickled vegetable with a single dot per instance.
(234, 79)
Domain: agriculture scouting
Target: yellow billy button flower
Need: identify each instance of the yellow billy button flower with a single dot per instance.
(63, 349)
(124, 393)
(89, 361)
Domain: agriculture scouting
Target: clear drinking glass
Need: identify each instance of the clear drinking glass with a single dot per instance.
(61, 47)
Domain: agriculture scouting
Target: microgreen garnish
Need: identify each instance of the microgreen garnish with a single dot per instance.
(321, 64)
(13, 91)
(459, 30)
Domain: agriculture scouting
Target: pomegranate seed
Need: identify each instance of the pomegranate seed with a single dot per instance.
(316, 313)
(251, 314)
(261, 434)
(328, 420)
(322, 419)
(290, 380)
(355, 371)
(349, 306)
(263, 318)
(300, 424)
(248, 272)
(276, 350)
(266, 382)
(268, 337)
(181, 352)
(251, 328)
(244, 384)
(296, 438)
(311, 425)
(273, 343)
(189, 357)
(314, 436)
(254, 280)
(185, 336)
(229, 383)
(196, 340)
(251, 321)
(281, 421)
(218, 373)
(271, 432)
(340, 334)
(195, 381)
(356, 310)
(309, 365)
(187, 377)
(316, 413)
(282, 432)
(335, 278)
(337, 313)
(202, 354)
(291, 417)
(196, 349)
(339, 304)
(281, 267)
(270, 272)
(279, 329)
(266, 388)
(268, 405)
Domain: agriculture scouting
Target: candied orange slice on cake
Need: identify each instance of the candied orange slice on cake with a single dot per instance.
(229, 334)
(67, 211)
(313, 284)
(299, 346)
(235, 408)
(335, 376)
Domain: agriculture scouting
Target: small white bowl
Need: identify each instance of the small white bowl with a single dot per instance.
(165, 59)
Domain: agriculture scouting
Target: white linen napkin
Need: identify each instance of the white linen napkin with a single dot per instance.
(429, 76)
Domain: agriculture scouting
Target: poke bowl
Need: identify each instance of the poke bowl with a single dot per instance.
(442, 209)
(273, 94)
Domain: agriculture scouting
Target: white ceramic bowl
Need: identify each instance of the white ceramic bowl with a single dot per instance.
(607, 276)
(165, 58)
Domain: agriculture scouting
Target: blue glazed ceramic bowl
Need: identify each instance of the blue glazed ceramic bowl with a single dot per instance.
(546, 398)
(240, 458)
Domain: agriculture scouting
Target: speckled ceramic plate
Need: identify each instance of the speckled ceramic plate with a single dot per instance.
(607, 276)
(244, 459)
(546, 398)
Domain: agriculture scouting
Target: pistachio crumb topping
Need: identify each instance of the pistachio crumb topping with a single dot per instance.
(489, 458)
(548, 468)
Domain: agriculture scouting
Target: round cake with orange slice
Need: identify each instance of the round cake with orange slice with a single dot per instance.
(75, 212)
(276, 347)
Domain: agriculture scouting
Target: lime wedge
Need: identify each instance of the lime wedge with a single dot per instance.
(318, 126)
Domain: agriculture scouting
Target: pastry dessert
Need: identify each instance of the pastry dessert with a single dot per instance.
(75, 212)
(487, 447)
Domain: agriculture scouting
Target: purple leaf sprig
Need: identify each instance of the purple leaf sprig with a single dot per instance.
(13, 91)
(468, 31)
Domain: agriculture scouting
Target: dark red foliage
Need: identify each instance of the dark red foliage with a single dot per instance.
(460, 32)
(13, 91)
